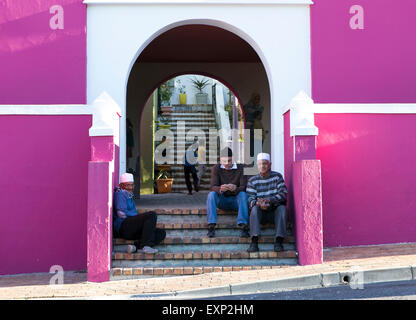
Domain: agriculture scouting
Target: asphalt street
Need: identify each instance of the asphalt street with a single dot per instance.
(400, 290)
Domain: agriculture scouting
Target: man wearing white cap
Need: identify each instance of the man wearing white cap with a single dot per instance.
(267, 195)
(130, 225)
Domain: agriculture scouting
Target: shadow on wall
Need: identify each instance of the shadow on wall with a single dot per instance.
(48, 65)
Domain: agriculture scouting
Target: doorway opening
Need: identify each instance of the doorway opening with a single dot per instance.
(236, 85)
(198, 115)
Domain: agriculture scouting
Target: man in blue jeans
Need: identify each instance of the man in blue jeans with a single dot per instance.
(228, 186)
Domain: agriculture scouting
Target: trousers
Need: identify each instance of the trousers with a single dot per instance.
(142, 229)
(277, 216)
(190, 170)
(239, 202)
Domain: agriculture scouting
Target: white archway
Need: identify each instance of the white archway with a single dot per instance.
(279, 32)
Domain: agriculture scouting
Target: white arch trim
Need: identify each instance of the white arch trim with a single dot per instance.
(202, 2)
(208, 22)
(287, 71)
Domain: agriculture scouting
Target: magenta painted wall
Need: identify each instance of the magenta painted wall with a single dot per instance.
(375, 64)
(43, 183)
(289, 159)
(39, 65)
(368, 178)
(307, 190)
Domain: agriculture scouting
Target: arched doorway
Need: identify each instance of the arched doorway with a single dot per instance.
(205, 50)
(221, 114)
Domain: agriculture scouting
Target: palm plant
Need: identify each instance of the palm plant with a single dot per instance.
(199, 84)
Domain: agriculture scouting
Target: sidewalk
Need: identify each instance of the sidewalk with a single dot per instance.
(378, 263)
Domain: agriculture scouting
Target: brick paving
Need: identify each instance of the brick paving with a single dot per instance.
(335, 260)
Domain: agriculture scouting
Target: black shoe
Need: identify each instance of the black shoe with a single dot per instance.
(211, 231)
(254, 247)
(278, 246)
(244, 232)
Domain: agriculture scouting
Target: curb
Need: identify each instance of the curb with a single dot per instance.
(356, 279)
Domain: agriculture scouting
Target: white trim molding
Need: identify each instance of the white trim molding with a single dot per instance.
(57, 109)
(302, 121)
(382, 108)
(201, 2)
(107, 113)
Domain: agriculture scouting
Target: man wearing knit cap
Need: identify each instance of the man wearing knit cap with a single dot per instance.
(267, 195)
(130, 225)
(228, 192)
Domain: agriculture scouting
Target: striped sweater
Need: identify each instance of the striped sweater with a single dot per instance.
(272, 188)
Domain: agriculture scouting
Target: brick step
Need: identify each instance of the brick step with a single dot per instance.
(194, 219)
(195, 211)
(207, 240)
(143, 272)
(192, 109)
(182, 187)
(188, 123)
(218, 232)
(179, 168)
(207, 247)
(181, 175)
(199, 229)
(192, 117)
(205, 126)
(203, 258)
(197, 119)
(199, 225)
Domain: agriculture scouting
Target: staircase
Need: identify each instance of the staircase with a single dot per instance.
(200, 117)
(188, 251)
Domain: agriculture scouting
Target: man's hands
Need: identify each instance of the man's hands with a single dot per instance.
(264, 204)
(228, 187)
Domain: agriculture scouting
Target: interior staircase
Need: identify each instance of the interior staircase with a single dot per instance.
(200, 117)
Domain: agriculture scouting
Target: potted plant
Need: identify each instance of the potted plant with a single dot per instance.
(164, 182)
(163, 122)
(165, 92)
(182, 93)
(200, 84)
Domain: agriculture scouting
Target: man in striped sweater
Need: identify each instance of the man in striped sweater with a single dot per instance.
(267, 193)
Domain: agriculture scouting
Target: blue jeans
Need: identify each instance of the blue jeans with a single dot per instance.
(239, 202)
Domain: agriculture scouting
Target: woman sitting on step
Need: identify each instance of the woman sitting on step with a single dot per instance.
(129, 224)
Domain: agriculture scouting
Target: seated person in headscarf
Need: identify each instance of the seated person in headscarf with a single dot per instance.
(131, 225)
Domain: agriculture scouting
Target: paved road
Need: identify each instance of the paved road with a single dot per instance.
(400, 290)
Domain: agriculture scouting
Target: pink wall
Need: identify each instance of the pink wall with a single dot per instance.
(368, 178)
(307, 191)
(102, 177)
(375, 64)
(43, 182)
(39, 65)
(289, 159)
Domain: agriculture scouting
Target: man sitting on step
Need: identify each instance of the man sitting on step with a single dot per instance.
(131, 225)
(228, 186)
(267, 200)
